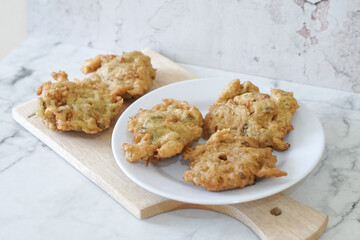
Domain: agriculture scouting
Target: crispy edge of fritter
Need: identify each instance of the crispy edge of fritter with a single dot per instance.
(145, 150)
(235, 88)
(216, 170)
(287, 105)
(92, 64)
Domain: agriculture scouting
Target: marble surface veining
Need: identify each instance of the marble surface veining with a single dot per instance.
(43, 197)
(310, 41)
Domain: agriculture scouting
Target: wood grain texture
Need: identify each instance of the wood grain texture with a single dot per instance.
(92, 156)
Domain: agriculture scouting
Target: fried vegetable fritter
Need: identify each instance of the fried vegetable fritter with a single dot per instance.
(128, 75)
(246, 112)
(163, 131)
(84, 105)
(227, 161)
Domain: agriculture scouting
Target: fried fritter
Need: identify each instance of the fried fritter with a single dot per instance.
(82, 105)
(128, 75)
(163, 131)
(227, 161)
(250, 113)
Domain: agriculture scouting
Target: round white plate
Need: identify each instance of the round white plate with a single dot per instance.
(165, 178)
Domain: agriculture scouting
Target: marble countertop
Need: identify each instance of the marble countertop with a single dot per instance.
(44, 197)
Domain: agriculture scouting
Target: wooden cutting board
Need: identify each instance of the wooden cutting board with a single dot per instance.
(275, 217)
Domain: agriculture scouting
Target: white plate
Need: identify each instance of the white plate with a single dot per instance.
(165, 178)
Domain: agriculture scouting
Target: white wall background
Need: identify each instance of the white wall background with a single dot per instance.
(12, 25)
(294, 40)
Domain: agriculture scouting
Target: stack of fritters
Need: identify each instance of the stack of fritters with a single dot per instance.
(89, 104)
(241, 126)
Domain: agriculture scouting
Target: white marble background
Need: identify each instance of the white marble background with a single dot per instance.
(44, 197)
(314, 42)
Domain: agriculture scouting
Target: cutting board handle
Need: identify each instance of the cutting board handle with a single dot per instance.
(278, 217)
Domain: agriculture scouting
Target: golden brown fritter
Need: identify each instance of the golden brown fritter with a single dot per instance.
(84, 105)
(163, 131)
(260, 116)
(128, 75)
(227, 161)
